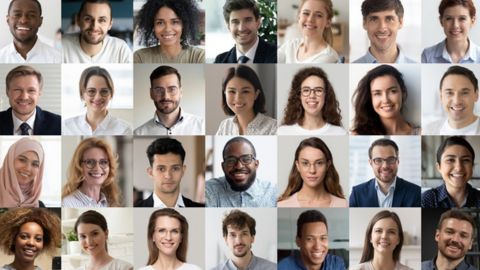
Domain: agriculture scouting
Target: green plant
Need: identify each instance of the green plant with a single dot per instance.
(268, 29)
(72, 236)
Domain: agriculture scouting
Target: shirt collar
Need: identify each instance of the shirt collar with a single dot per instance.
(103, 199)
(157, 202)
(401, 58)
(102, 124)
(158, 122)
(256, 121)
(254, 190)
(391, 188)
(443, 195)
(251, 264)
(17, 122)
(470, 55)
(250, 53)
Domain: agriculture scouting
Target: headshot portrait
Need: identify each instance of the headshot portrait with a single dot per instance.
(386, 32)
(374, 228)
(169, 31)
(33, 40)
(100, 102)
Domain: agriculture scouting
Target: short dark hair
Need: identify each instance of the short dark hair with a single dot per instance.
(233, 5)
(82, 6)
(163, 146)
(164, 71)
(382, 142)
(451, 3)
(310, 216)
(238, 220)
(459, 70)
(236, 140)
(456, 214)
(370, 6)
(36, 1)
(454, 140)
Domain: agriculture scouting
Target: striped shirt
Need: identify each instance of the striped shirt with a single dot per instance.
(79, 199)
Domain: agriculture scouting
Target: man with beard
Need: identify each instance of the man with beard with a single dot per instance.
(169, 119)
(382, 20)
(166, 157)
(454, 236)
(243, 21)
(24, 18)
(386, 189)
(240, 186)
(24, 88)
(93, 44)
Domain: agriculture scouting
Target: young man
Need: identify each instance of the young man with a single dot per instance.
(243, 21)
(239, 234)
(382, 20)
(24, 18)
(312, 241)
(166, 92)
(166, 157)
(93, 44)
(386, 189)
(24, 88)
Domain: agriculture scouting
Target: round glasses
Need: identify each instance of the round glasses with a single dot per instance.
(93, 92)
(307, 91)
(92, 163)
(244, 159)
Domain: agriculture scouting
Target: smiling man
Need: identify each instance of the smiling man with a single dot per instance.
(24, 18)
(243, 21)
(93, 44)
(24, 88)
(382, 20)
(240, 187)
(386, 189)
(454, 236)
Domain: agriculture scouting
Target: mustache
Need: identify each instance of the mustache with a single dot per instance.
(166, 100)
(242, 170)
(239, 245)
(455, 244)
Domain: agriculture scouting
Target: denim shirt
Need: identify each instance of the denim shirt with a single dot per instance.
(439, 54)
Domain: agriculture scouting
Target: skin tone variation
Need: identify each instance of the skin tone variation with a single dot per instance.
(313, 99)
(454, 238)
(312, 19)
(95, 176)
(384, 239)
(166, 94)
(240, 241)
(240, 97)
(240, 176)
(94, 21)
(26, 167)
(28, 245)
(23, 93)
(385, 172)
(168, 30)
(167, 238)
(93, 240)
(456, 23)
(167, 171)
(244, 27)
(97, 96)
(313, 244)
(382, 28)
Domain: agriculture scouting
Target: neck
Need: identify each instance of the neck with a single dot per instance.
(168, 120)
(100, 259)
(457, 49)
(383, 262)
(385, 56)
(243, 120)
(171, 51)
(95, 117)
(244, 48)
(313, 44)
(311, 122)
(24, 47)
(313, 194)
(458, 195)
(23, 117)
(169, 199)
(396, 126)
(166, 262)
(242, 262)
(443, 263)
(462, 123)
(91, 191)
(90, 49)
(24, 265)
(384, 186)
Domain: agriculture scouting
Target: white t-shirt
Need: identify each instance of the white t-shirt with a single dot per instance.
(185, 266)
(40, 53)
(296, 129)
(109, 126)
(114, 50)
(441, 127)
(287, 53)
(115, 264)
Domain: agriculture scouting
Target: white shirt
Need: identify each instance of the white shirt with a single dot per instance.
(288, 52)
(17, 122)
(442, 127)
(157, 202)
(114, 264)
(187, 124)
(40, 53)
(250, 53)
(296, 129)
(114, 50)
(260, 125)
(109, 126)
(185, 266)
(79, 199)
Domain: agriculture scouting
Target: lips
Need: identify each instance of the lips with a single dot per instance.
(23, 28)
(96, 174)
(309, 26)
(317, 255)
(168, 36)
(30, 252)
(239, 175)
(382, 35)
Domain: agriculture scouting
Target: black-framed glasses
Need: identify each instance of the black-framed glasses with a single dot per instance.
(104, 92)
(244, 159)
(92, 163)
(160, 91)
(307, 91)
(389, 160)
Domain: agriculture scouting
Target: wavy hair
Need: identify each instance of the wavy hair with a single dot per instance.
(327, 32)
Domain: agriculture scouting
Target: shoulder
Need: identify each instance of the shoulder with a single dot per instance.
(148, 267)
(225, 127)
(433, 128)
(215, 184)
(51, 116)
(188, 266)
(289, 202)
(223, 57)
(142, 55)
(265, 264)
(400, 266)
(338, 202)
(431, 52)
(115, 41)
(363, 186)
(335, 130)
(195, 54)
(190, 203)
(192, 117)
(408, 184)
(120, 264)
(145, 128)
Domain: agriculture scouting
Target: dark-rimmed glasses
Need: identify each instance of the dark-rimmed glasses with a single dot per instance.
(389, 160)
(244, 159)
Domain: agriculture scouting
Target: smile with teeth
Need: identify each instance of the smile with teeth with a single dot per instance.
(96, 174)
(382, 35)
(168, 36)
(457, 108)
(317, 255)
(309, 26)
(23, 28)
(30, 251)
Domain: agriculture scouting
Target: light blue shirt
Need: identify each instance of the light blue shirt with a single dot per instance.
(439, 54)
(368, 58)
(218, 193)
(385, 200)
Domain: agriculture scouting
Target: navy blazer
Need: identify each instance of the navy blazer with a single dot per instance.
(46, 123)
(148, 202)
(406, 194)
(266, 53)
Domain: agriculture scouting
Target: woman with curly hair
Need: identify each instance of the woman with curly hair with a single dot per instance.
(167, 237)
(312, 106)
(22, 174)
(91, 176)
(313, 179)
(26, 233)
(378, 101)
(166, 28)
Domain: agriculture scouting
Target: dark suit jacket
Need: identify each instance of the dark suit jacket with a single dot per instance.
(149, 202)
(406, 194)
(46, 123)
(266, 53)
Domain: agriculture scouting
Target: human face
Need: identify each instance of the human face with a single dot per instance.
(385, 236)
(313, 244)
(314, 102)
(312, 166)
(313, 18)
(243, 26)
(97, 175)
(240, 176)
(386, 96)
(24, 19)
(23, 93)
(92, 238)
(458, 97)
(385, 172)
(94, 22)
(454, 238)
(167, 235)
(28, 242)
(97, 103)
(167, 27)
(239, 240)
(382, 28)
(456, 23)
(456, 166)
(166, 172)
(166, 94)
(26, 167)
(240, 95)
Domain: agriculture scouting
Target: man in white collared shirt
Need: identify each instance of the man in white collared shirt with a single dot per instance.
(24, 18)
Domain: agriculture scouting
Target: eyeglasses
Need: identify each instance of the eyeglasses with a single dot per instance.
(317, 164)
(244, 159)
(160, 91)
(92, 163)
(307, 91)
(93, 92)
(389, 160)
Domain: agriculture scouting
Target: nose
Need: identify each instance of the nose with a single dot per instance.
(167, 174)
(312, 168)
(23, 18)
(382, 24)
(24, 94)
(239, 164)
(30, 241)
